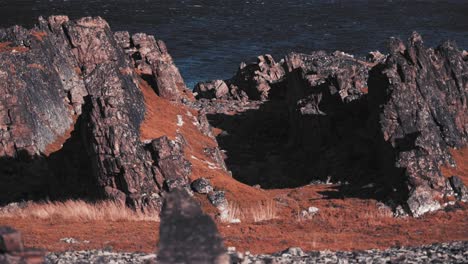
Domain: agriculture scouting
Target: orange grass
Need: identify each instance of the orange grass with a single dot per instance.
(78, 210)
(264, 212)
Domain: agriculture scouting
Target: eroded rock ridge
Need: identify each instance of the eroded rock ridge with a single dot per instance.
(382, 126)
(71, 112)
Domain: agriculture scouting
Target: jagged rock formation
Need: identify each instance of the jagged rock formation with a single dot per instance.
(425, 114)
(79, 118)
(383, 125)
(253, 81)
(74, 100)
(155, 64)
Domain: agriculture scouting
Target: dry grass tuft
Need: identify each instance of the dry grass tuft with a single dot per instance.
(78, 210)
(233, 214)
(264, 212)
(375, 217)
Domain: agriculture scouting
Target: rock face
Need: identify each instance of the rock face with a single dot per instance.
(71, 111)
(327, 112)
(154, 62)
(187, 235)
(383, 125)
(425, 113)
(172, 167)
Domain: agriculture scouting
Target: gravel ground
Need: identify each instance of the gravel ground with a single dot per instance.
(455, 252)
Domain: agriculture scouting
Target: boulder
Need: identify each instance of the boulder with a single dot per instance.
(187, 235)
(251, 82)
(202, 185)
(257, 79)
(212, 89)
(153, 60)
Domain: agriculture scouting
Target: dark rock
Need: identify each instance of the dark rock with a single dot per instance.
(187, 235)
(115, 114)
(42, 94)
(153, 60)
(202, 185)
(224, 106)
(459, 188)
(253, 81)
(12, 250)
(424, 114)
(10, 240)
(257, 79)
(213, 89)
(44, 75)
(217, 198)
(169, 157)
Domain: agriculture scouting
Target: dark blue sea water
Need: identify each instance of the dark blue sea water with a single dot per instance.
(209, 38)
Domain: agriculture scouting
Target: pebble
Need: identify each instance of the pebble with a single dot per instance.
(454, 252)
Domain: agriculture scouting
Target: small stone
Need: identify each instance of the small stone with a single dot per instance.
(400, 212)
(294, 251)
(231, 249)
(202, 185)
(69, 240)
(217, 198)
(313, 210)
(235, 221)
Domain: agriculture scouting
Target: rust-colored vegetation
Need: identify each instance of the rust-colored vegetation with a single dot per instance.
(340, 224)
(7, 47)
(461, 170)
(39, 35)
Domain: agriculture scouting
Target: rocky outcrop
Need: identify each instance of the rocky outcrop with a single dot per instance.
(42, 95)
(41, 89)
(212, 89)
(172, 169)
(155, 64)
(253, 81)
(71, 112)
(383, 126)
(114, 113)
(75, 97)
(425, 113)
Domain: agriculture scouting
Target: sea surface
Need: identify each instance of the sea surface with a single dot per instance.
(209, 38)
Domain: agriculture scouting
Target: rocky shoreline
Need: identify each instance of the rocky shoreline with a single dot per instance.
(452, 252)
(388, 121)
(88, 113)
